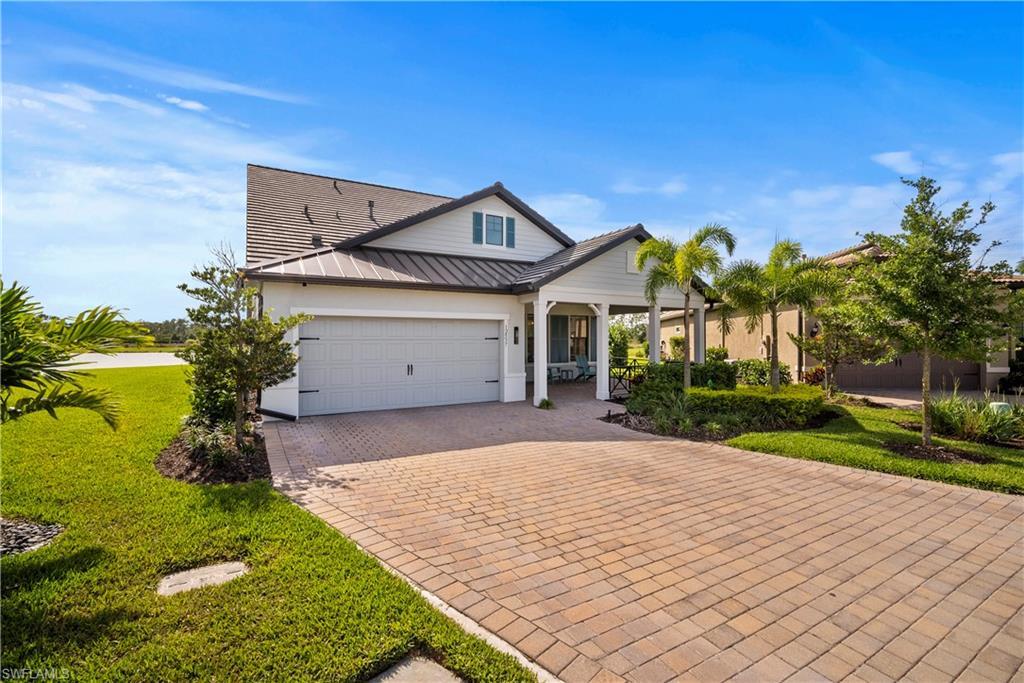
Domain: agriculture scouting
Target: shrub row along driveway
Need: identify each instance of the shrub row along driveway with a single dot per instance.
(603, 553)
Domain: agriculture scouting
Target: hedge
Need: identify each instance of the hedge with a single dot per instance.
(662, 387)
(758, 372)
(793, 406)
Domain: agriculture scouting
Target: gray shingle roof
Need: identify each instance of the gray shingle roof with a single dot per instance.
(284, 209)
(368, 266)
(561, 262)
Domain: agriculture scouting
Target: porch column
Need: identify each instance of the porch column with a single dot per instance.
(699, 334)
(603, 372)
(654, 334)
(540, 350)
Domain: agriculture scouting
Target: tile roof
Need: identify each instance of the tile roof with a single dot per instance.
(561, 262)
(284, 209)
(369, 266)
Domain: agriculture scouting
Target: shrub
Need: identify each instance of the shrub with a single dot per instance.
(757, 407)
(973, 420)
(646, 346)
(758, 372)
(815, 375)
(676, 347)
(713, 353)
(210, 440)
(546, 404)
(663, 385)
(618, 340)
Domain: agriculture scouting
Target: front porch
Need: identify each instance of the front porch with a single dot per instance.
(572, 327)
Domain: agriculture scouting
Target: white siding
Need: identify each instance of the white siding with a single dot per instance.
(608, 278)
(329, 300)
(452, 233)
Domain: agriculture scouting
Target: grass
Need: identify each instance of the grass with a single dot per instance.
(313, 607)
(856, 439)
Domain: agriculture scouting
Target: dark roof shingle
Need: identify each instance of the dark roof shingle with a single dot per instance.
(561, 262)
(284, 209)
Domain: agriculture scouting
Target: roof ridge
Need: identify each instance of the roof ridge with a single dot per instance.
(350, 180)
(610, 232)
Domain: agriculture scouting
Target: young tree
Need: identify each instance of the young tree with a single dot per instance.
(725, 321)
(38, 354)
(788, 278)
(682, 266)
(237, 350)
(840, 340)
(931, 293)
(618, 340)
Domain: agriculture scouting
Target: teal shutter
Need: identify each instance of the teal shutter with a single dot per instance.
(592, 333)
(558, 349)
(510, 232)
(478, 228)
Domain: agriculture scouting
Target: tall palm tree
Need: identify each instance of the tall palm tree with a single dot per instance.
(725, 321)
(681, 265)
(38, 356)
(787, 279)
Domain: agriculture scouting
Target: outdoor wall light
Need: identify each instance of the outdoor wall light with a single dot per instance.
(515, 334)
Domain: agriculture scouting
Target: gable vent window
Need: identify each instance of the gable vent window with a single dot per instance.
(494, 230)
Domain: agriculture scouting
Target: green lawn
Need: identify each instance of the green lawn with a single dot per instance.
(314, 606)
(856, 440)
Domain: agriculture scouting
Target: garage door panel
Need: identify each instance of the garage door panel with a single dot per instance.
(361, 364)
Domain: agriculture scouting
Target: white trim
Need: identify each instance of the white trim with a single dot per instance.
(994, 368)
(504, 228)
(387, 313)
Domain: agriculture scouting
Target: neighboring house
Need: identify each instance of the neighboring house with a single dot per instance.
(426, 300)
(903, 372)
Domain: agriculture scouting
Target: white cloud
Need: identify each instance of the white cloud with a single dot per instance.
(111, 200)
(901, 162)
(1008, 167)
(164, 73)
(568, 207)
(190, 105)
(669, 188)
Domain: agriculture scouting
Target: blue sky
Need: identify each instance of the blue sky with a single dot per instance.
(127, 128)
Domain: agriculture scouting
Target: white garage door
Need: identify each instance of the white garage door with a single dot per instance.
(354, 364)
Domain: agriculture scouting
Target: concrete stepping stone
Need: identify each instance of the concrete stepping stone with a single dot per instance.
(211, 575)
(417, 670)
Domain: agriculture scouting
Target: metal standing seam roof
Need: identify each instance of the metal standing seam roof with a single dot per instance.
(368, 266)
(284, 209)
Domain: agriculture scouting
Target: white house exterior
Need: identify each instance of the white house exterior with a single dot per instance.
(424, 300)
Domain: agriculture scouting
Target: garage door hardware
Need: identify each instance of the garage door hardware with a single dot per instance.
(490, 338)
(490, 381)
(309, 338)
(309, 391)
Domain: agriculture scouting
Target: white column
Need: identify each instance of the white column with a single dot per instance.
(603, 374)
(654, 334)
(699, 334)
(540, 350)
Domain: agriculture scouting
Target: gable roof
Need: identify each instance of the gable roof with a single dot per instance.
(284, 209)
(560, 263)
(372, 267)
(495, 190)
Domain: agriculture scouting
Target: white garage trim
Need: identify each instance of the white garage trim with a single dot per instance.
(388, 313)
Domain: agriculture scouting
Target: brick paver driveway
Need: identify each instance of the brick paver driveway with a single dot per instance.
(603, 553)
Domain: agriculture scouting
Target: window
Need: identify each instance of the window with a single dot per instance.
(579, 339)
(495, 228)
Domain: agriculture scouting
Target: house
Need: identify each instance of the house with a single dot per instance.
(420, 299)
(904, 372)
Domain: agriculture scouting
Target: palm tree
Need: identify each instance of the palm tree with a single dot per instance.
(38, 354)
(725, 321)
(681, 266)
(787, 279)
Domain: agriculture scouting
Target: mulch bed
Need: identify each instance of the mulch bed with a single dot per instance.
(936, 453)
(179, 461)
(916, 427)
(19, 535)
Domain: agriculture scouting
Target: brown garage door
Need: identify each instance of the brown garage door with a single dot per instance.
(905, 373)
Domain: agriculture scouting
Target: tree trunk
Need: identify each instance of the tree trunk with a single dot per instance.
(926, 396)
(240, 410)
(686, 341)
(775, 350)
(830, 373)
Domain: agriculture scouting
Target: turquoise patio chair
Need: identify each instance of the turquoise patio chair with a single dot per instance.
(583, 369)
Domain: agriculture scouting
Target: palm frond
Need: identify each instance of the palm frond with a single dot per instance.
(714, 234)
(51, 397)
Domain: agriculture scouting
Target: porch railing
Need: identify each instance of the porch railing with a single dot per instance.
(624, 374)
